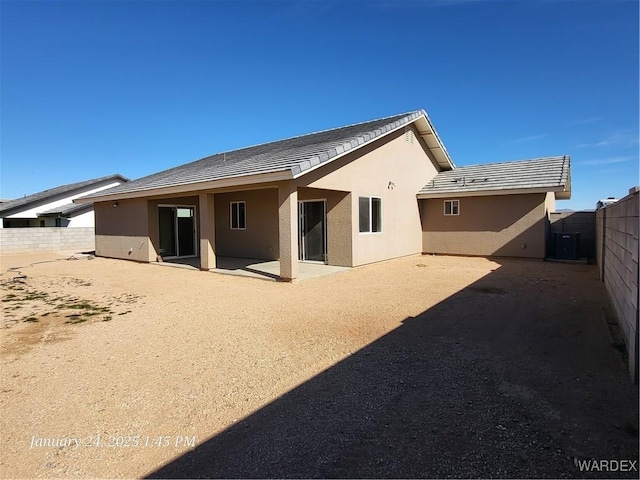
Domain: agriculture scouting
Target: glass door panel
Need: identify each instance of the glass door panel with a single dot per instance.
(313, 231)
(166, 226)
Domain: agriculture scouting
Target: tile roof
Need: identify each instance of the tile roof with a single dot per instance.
(295, 155)
(541, 174)
(64, 210)
(46, 195)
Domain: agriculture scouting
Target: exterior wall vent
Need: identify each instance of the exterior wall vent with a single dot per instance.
(408, 135)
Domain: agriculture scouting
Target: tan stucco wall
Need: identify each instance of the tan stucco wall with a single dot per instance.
(550, 203)
(122, 232)
(398, 158)
(260, 238)
(501, 225)
(339, 236)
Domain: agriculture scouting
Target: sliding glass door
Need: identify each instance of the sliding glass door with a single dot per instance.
(313, 234)
(177, 231)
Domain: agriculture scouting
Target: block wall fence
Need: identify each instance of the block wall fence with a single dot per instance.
(46, 239)
(617, 255)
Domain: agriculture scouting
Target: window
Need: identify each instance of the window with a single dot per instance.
(370, 214)
(452, 207)
(238, 215)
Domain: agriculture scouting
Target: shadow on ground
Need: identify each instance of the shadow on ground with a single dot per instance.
(514, 376)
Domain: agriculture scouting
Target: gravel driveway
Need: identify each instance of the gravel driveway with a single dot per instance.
(417, 367)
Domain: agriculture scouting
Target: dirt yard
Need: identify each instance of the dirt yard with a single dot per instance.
(418, 367)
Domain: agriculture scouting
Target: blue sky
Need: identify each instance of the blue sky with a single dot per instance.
(92, 88)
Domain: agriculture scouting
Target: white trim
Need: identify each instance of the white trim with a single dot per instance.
(231, 215)
(238, 181)
(457, 204)
(370, 232)
(36, 207)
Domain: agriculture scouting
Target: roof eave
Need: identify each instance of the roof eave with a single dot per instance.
(43, 201)
(431, 138)
(78, 209)
(561, 193)
(425, 129)
(192, 187)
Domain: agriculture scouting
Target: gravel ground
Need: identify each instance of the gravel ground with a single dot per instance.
(417, 367)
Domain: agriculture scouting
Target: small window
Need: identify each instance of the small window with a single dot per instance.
(370, 214)
(238, 215)
(452, 207)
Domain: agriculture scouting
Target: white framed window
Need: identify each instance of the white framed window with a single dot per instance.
(238, 215)
(370, 220)
(452, 207)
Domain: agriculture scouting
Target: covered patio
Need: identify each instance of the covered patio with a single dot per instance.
(254, 268)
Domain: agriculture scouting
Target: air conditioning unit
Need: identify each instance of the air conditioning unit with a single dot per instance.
(566, 246)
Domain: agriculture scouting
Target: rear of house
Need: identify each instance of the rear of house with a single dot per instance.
(345, 197)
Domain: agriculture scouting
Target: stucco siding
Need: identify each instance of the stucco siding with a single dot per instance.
(339, 236)
(123, 231)
(550, 202)
(501, 225)
(260, 238)
(394, 169)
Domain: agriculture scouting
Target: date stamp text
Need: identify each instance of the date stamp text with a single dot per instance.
(114, 441)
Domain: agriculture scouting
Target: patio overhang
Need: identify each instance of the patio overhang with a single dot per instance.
(192, 188)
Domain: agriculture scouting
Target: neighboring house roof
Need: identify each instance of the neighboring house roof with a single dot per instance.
(606, 202)
(548, 174)
(30, 201)
(65, 210)
(283, 159)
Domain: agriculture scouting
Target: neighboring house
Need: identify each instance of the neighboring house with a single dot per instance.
(55, 207)
(605, 202)
(346, 197)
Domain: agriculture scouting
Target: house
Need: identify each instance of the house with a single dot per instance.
(346, 197)
(499, 209)
(55, 207)
(605, 202)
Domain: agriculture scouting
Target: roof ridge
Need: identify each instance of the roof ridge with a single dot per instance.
(73, 184)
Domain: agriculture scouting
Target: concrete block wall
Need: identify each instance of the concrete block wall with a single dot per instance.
(583, 223)
(617, 255)
(46, 239)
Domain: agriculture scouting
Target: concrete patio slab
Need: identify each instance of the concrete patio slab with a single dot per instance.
(270, 270)
(255, 268)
